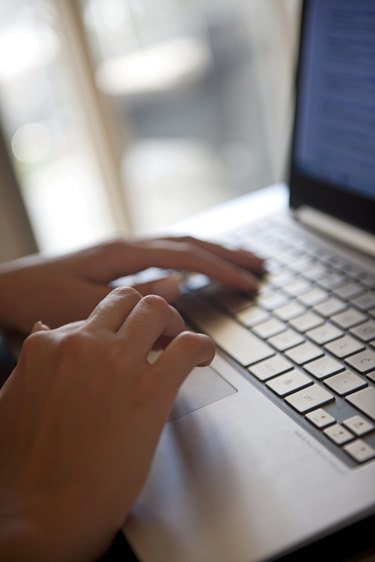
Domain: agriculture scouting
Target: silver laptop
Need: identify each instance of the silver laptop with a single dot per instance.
(272, 448)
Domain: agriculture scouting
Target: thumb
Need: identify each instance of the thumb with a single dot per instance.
(167, 287)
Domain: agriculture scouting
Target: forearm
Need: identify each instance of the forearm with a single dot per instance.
(11, 299)
(25, 541)
(19, 542)
(24, 285)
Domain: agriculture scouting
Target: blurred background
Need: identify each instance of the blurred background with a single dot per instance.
(130, 115)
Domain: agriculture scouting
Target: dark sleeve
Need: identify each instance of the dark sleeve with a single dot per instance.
(119, 551)
(7, 360)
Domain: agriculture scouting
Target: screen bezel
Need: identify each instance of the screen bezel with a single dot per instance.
(353, 208)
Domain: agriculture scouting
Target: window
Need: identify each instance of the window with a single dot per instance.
(160, 108)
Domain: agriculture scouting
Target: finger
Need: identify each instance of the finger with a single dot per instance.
(239, 256)
(114, 309)
(231, 267)
(151, 319)
(188, 256)
(167, 287)
(186, 351)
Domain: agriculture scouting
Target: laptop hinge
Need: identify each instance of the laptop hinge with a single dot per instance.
(339, 230)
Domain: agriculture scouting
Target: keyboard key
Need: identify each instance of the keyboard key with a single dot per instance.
(364, 400)
(371, 376)
(290, 255)
(349, 318)
(366, 331)
(349, 290)
(289, 382)
(368, 279)
(324, 334)
(304, 353)
(360, 451)
(324, 367)
(280, 277)
(363, 362)
(324, 256)
(338, 434)
(265, 288)
(329, 307)
(315, 271)
(320, 418)
(231, 301)
(289, 311)
(272, 301)
(332, 280)
(306, 321)
(297, 287)
(358, 425)
(365, 301)
(252, 316)
(270, 367)
(345, 383)
(302, 264)
(339, 264)
(343, 347)
(286, 340)
(353, 271)
(269, 328)
(309, 398)
(313, 297)
(233, 338)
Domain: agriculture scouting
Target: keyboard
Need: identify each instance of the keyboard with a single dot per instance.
(307, 339)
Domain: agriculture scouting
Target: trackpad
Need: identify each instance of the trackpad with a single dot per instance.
(203, 386)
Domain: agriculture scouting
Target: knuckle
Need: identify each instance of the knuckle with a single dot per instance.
(81, 348)
(34, 342)
(125, 292)
(64, 347)
(155, 302)
(76, 342)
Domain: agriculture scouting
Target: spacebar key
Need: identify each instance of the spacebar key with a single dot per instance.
(230, 336)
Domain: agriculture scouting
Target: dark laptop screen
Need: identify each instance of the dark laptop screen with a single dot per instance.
(333, 158)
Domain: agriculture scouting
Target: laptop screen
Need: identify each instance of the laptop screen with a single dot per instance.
(333, 156)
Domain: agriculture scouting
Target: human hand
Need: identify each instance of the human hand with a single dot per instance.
(67, 288)
(80, 418)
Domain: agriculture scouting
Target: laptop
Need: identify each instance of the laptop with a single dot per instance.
(271, 449)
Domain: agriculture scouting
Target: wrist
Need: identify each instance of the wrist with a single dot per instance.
(52, 534)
